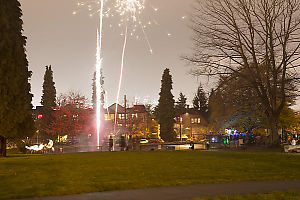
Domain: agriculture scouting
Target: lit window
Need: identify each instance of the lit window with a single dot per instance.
(112, 116)
(196, 120)
(121, 116)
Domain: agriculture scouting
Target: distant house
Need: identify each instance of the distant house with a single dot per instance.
(132, 119)
(109, 113)
(37, 112)
(191, 125)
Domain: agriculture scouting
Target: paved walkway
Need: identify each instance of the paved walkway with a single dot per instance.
(186, 192)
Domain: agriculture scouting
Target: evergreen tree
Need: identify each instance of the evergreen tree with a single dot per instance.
(165, 110)
(48, 100)
(200, 101)
(94, 88)
(16, 120)
(94, 94)
(180, 107)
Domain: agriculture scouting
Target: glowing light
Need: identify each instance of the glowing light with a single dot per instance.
(98, 73)
(41, 146)
(121, 75)
(131, 7)
(130, 13)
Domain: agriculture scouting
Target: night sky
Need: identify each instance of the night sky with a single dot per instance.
(68, 43)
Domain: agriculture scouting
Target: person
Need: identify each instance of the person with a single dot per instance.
(123, 143)
(289, 138)
(207, 145)
(293, 142)
(110, 143)
(192, 145)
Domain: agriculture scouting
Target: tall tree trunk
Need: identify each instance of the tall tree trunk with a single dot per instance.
(274, 137)
(3, 146)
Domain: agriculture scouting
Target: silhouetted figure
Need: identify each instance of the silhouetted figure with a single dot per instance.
(123, 143)
(207, 145)
(192, 145)
(110, 144)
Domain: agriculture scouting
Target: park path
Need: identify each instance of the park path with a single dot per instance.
(185, 192)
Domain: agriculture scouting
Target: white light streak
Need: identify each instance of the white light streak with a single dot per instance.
(121, 75)
(98, 73)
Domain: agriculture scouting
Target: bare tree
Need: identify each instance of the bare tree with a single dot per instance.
(258, 40)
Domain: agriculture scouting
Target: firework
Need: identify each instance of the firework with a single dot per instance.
(130, 17)
(130, 7)
(98, 73)
(121, 75)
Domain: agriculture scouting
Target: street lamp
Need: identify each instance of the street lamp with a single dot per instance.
(180, 128)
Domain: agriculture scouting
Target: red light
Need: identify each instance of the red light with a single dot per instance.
(40, 116)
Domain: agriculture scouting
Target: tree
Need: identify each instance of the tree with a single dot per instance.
(234, 104)
(94, 88)
(255, 39)
(200, 101)
(48, 100)
(16, 120)
(71, 116)
(151, 124)
(180, 107)
(165, 110)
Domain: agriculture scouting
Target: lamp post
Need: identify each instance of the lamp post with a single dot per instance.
(180, 128)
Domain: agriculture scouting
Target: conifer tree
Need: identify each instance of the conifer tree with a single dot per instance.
(16, 120)
(200, 101)
(180, 107)
(94, 88)
(165, 109)
(48, 100)
(94, 94)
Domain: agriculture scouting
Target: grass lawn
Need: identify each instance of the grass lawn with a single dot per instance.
(290, 195)
(42, 175)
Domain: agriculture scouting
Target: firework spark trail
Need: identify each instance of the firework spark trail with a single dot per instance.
(146, 37)
(98, 73)
(130, 9)
(121, 75)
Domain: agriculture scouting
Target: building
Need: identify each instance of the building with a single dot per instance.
(133, 120)
(191, 125)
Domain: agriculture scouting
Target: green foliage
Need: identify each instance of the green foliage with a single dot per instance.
(200, 101)
(48, 101)
(15, 109)
(94, 89)
(165, 110)
(288, 118)
(49, 91)
(234, 104)
(180, 107)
